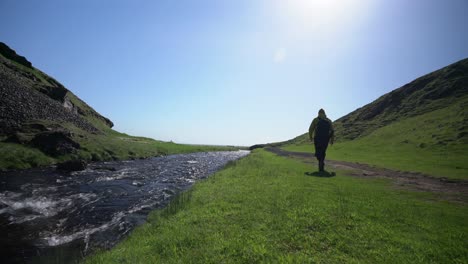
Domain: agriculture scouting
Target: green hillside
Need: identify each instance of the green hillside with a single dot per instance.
(422, 127)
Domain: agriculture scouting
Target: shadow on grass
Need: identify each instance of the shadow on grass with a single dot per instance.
(324, 174)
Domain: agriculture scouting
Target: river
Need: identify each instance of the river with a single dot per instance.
(48, 216)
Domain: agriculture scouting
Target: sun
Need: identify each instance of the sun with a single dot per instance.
(319, 14)
(320, 8)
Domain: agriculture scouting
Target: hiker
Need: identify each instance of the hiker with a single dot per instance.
(321, 132)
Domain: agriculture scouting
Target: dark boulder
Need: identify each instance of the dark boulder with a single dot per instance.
(55, 143)
(72, 165)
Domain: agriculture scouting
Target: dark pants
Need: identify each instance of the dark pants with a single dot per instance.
(320, 149)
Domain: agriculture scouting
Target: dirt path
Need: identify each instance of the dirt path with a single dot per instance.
(455, 190)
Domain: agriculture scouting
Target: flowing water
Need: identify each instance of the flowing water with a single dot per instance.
(47, 216)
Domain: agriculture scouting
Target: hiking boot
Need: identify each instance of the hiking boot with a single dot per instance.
(321, 165)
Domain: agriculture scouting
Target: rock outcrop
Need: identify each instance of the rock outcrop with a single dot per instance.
(55, 143)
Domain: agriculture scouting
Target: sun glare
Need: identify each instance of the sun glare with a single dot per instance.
(319, 15)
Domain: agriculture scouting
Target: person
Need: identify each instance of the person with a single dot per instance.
(321, 133)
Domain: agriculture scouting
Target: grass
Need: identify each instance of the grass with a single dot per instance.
(264, 209)
(434, 143)
(16, 156)
(115, 145)
(110, 145)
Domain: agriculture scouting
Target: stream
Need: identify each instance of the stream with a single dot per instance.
(48, 216)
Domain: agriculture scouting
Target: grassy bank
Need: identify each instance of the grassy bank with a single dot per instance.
(109, 145)
(115, 145)
(434, 143)
(263, 208)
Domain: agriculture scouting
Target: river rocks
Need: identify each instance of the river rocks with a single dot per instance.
(55, 143)
(72, 165)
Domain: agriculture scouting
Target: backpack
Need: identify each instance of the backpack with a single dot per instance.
(322, 131)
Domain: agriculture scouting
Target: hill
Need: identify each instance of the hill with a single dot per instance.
(29, 94)
(421, 126)
(42, 122)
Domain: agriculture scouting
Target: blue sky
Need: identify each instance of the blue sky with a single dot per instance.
(234, 72)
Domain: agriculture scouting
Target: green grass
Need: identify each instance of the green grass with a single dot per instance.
(109, 145)
(115, 145)
(16, 156)
(434, 143)
(264, 209)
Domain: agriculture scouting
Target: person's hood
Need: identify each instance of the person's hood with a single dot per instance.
(322, 115)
